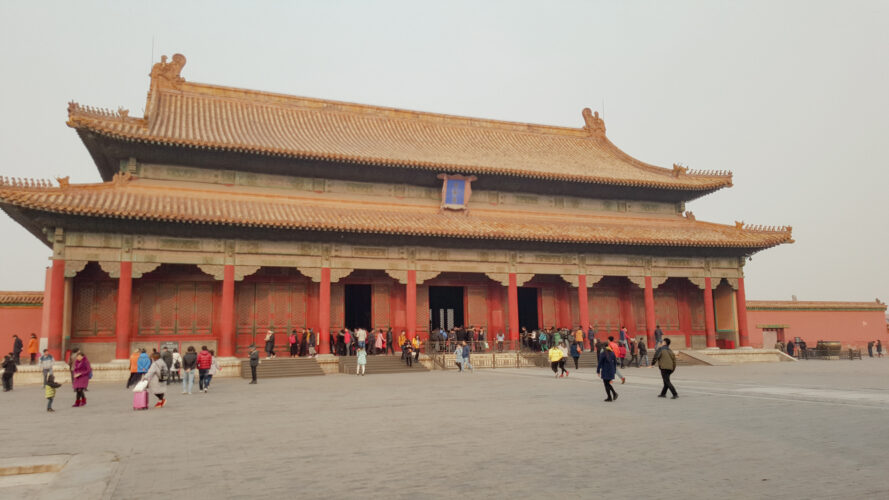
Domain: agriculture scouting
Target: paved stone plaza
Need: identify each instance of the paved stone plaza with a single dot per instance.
(814, 429)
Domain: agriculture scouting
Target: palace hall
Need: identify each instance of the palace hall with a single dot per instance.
(224, 212)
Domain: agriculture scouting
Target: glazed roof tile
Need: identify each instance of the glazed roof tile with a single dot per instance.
(19, 298)
(809, 305)
(123, 198)
(180, 113)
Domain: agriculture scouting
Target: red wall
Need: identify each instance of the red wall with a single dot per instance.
(19, 320)
(854, 328)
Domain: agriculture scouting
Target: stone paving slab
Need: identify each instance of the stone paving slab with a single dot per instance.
(790, 430)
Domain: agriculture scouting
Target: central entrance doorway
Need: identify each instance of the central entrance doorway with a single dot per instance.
(357, 304)
(528, 308)
(446, 307)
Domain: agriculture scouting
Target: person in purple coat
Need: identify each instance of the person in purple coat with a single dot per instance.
(81, 373)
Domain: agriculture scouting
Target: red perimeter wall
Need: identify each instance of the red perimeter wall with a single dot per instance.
(21, 321)
(853, 328)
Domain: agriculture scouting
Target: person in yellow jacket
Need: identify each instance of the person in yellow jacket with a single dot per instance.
(49, 388)
(415, 343)
(556, 355)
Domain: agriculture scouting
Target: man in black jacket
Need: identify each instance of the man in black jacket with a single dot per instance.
(254, 362)
(17, 347)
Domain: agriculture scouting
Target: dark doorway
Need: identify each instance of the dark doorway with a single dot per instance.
(528, 308)
(357, 305)
(446, 304)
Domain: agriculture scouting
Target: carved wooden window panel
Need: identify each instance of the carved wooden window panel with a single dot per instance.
(605, 310)
(666, 309)
(696, 305)
(263, 306)
(381, 306)
(185, 304)
(337, 306)
(298, 306)
(82, 321)
(147, 308)
(203, 308)
(166, 305)
(422, 309)
(548, 300)
(105, 309)
(244, 308)
(637, 303)
(280, 305)
(478, 306)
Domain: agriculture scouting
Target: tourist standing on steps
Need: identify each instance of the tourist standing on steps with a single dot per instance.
(575, 353)
(213, 370)
(9, 370)
(666, 361)
(312, 342)
(16, 349)
(254, 362)
(554, 355)
(34, 348)
(269, 344)
(466, 353)
(205, 361)
(606, 368)
(189, 363)
(46, 362)
(81, 378)
(658, 336)
(361, 362)
(153, 376)
(407, 353)
(389, 347)
(294, 344)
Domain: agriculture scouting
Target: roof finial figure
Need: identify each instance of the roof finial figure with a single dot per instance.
(593, 123)
(168, 72)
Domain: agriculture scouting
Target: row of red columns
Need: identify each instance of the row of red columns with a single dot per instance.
(226, 340)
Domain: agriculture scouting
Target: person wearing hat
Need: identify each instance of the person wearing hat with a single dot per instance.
(254, 362)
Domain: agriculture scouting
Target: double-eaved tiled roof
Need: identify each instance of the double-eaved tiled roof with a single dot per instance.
(138, 199)
(195, 115)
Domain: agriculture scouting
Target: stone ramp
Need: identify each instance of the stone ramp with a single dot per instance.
(380, 363)
(283, 367)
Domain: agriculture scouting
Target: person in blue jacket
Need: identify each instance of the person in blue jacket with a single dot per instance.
(143, 363)
(606, 367)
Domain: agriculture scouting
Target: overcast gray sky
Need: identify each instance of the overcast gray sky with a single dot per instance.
(792, 96)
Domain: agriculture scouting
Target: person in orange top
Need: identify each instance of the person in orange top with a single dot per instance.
(134, 368)
(33, 348)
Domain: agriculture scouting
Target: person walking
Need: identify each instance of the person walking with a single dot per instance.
(135, 376)
(458, 357)
(622, 352)
(154, 376)
(879, 349)
(49, 390)
(467, 352)
(254, 362)
(361, 362)
(205, 361)
(189, 363)
(9, 369)
(167, 358)
(633, 355)
(564, 348)
(269, 345)
(378, 342)
(555, 356)
(666, 361)
(34, 349)
(213, 370)
(81, 378)
(16, 349)
(643, 353)
(790, 347)
(177, 365)
(575, 352)
(46, 362)
(622, 338)
(606, 369)
(870, 349)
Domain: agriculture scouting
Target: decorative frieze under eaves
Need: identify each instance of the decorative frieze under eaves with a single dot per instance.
(148, 252)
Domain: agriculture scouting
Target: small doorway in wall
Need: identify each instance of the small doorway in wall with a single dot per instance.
(771, 336)
(446, 307)
(357, 304)
(528, 308)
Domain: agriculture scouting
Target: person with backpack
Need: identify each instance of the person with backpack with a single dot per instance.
(177, 365)
(205, 361)
(643, 353)
(167, 358)
(576, 347)
(213, 370)
(9, 370)
(189, 363)
(156, 379)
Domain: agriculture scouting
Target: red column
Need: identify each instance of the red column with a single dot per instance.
(124, 310)
(743, 337)
(583, 303)
(649, 311)
(709, 319)
(227, 330)
(513, 298)
(57, 308)
(324, 312)
(411, 304)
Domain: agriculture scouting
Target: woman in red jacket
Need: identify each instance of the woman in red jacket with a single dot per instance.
(205, 361)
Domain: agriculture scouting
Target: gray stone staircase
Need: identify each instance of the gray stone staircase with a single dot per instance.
(380, 364)
(283, 367)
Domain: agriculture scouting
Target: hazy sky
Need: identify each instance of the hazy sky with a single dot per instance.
(793, 97)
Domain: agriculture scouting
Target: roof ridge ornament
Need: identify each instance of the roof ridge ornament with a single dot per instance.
(592, 123)
(121, 178)
(678, 170)
(25, 182)
(167, 74)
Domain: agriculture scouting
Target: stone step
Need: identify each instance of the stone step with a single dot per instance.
(379, 364)
(283, 367)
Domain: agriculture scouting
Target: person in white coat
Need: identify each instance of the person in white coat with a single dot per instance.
(153, 376)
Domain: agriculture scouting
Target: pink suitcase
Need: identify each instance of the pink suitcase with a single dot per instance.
(140, 400)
